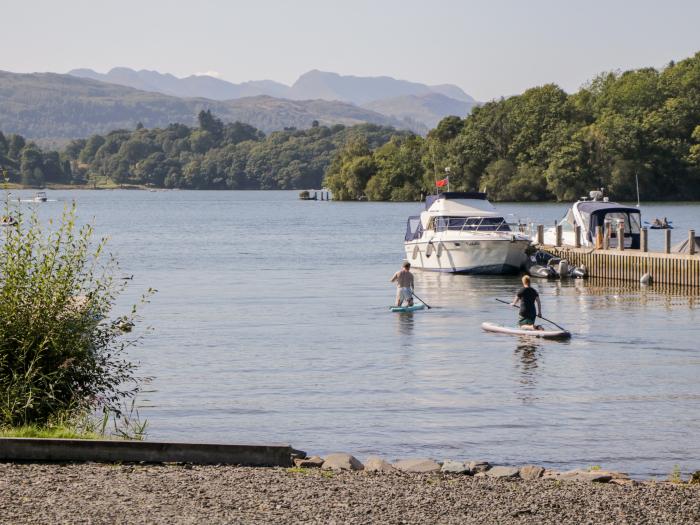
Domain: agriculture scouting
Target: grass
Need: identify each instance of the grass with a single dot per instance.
(675, 475)
(58, 432)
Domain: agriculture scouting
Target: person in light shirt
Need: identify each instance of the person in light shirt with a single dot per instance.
(404, 285)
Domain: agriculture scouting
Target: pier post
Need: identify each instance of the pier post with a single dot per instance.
(621, 237)
(558, 240)
(606, 237)
(577, 236)
(644, 240)
(540, 234)
(691, 242)
(667, 241)
(598, 237)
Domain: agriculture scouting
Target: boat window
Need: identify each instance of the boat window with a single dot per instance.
(414, 228)
(471, 224)
(630, 220)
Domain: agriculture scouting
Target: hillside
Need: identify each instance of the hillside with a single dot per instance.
(56, 108)
(429, 108)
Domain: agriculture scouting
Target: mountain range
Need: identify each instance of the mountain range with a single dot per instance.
(420, 105)
(54, 108)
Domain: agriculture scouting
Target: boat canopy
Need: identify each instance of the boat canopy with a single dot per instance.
(596, 213)
(460, 204)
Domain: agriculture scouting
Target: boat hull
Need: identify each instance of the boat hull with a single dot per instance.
(490, 256)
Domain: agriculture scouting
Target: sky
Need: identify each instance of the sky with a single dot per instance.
(488, 48)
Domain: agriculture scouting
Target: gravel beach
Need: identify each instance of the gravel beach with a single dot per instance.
(99, 493)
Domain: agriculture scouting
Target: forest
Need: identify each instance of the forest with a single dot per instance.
(546, 144)
(213, 155)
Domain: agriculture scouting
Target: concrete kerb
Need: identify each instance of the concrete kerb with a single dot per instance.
(111, 451)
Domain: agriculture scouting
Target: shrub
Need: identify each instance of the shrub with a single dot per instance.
(61, 356)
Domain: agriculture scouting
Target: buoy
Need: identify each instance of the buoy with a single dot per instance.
(646, 279)
(563, 268)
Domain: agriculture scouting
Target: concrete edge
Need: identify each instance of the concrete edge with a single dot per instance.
(111, 451)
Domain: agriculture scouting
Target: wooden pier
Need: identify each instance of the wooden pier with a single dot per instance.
(680, 269)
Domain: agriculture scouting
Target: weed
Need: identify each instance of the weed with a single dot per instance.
(675, 475)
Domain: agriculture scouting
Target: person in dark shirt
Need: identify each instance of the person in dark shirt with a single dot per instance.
(528, 298)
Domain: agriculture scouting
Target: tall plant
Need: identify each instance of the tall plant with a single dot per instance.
(61, 354)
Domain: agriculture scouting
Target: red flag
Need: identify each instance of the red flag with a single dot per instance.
(442, 182)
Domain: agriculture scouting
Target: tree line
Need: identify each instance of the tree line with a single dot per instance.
(548, 145)
(214, 155)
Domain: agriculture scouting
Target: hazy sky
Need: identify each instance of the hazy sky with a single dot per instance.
(489, 48)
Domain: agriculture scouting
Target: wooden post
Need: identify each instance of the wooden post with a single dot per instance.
(644, 240)
(606, 237)
(558, 240)
(691, 242)
(667, 241)
(540, 234)
(577, 236)
(598, 237)
(620, 237)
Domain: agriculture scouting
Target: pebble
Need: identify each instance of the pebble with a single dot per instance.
(34, 493)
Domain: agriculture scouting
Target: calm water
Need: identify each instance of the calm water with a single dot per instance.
(271, 325)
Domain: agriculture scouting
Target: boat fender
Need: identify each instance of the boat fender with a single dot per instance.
(415, 252)
(563, 268)
(646, 279)
(429, 249)
(439, 249)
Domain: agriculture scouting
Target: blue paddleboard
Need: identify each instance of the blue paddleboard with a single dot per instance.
(407, 308)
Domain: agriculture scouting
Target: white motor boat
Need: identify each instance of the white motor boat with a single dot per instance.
(598, 211)
(461, 232)
(40, 196)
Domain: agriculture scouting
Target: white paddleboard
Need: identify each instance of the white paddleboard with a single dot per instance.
(407, 308)
(546, 334)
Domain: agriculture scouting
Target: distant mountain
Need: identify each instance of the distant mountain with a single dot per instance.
(314, 85)
(428, 108)
(57, 107)
(361, 90)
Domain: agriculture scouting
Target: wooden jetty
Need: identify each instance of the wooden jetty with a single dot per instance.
(602, 261)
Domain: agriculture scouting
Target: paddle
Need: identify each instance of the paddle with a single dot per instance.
(543, 318)
(421, 300)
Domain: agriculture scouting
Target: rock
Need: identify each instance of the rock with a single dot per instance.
(695, 477)
(551, 474)
(531, 472)
(377, 464)
(596, 476)
(503, 472)
(341, 461)
(312, 462)
(479, 466)
(624, 482)
(418, 466)
(454, 467)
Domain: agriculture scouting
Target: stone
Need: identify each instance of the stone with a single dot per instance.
(377, 464)
(503, 472)
(418, 466)
(595, 476)
(312, 462)
(341, 461)
(479, 466)
(454, 467)
(551, 474)
(531, 472)
(695, 477)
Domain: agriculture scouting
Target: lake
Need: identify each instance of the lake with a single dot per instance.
(271, 324)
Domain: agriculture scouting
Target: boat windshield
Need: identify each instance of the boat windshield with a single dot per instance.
(480, 224)
(414, 229)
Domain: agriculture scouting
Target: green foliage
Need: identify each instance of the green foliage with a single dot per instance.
(61, 356)
(545, 144)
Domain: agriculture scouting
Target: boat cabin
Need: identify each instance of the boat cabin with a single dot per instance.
(608, 215)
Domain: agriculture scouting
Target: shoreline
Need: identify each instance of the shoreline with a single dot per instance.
(109, 493)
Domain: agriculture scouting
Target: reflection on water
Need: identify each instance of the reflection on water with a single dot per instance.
(272, 325)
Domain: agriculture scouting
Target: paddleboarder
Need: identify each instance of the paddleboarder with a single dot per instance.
(404, 285)
(527, 296)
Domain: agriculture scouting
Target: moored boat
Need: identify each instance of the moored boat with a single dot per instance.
(461, 232)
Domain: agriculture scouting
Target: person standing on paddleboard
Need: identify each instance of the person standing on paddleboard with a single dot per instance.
(528, 297)
(404, 283)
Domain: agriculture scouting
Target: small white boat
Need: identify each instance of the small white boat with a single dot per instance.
(544, 334)
(461, 232)
(598, 211)
(40, 196)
